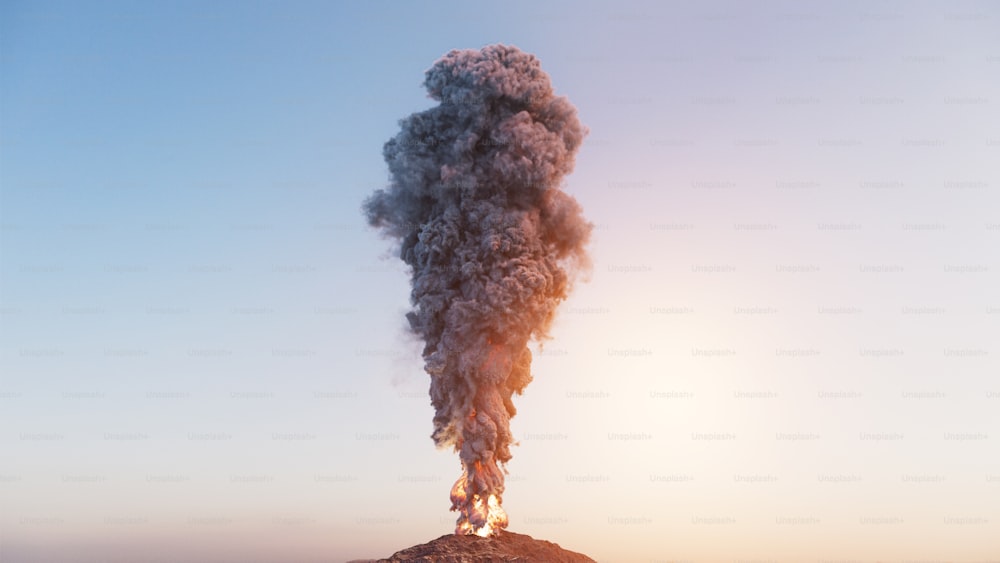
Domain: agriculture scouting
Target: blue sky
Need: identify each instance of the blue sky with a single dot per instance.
(201, 341)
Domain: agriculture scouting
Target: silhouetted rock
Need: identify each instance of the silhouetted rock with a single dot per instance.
(501, 548)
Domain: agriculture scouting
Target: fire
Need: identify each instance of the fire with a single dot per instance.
(476, 516)
(492, 514)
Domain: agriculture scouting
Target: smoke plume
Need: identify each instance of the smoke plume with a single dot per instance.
(493, 244)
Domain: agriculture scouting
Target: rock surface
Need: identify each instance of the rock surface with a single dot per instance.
(501, 548)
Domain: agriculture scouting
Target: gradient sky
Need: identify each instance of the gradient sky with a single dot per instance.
(786, 350)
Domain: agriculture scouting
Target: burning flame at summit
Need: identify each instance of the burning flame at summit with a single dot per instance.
(493, 243)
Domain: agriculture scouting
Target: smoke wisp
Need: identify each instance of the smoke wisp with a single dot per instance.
(474, 200)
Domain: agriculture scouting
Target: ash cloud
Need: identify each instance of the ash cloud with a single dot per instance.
(493, 243)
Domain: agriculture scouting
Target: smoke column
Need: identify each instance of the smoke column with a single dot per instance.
(493, 244)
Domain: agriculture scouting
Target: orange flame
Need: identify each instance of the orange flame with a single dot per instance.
(479, 517)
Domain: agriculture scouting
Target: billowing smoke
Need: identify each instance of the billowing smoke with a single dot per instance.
(493, 244)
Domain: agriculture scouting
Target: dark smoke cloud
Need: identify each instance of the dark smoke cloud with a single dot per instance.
(493, 242)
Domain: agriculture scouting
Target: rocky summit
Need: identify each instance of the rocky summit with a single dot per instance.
(501, 548)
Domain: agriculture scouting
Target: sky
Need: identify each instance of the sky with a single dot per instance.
(786, 349)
